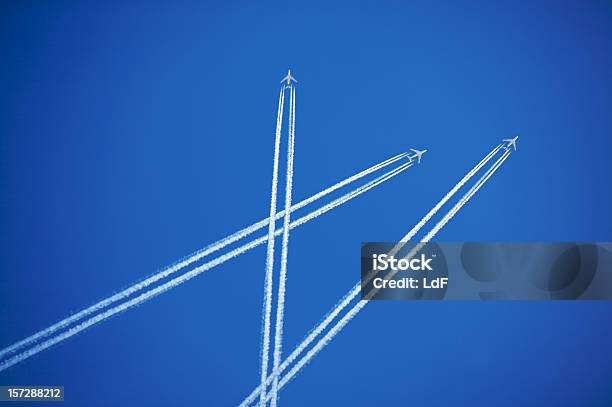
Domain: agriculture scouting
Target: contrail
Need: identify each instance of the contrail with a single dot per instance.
(198, 270)
(267, 303)
(450, 193)
(362, 303)
(280, 305)
(354, 292)
(467, 196)
(433, 211)
(187, 261)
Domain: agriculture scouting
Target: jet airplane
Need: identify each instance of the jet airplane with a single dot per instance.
(288, 78)
(417, 154)
(511, 142)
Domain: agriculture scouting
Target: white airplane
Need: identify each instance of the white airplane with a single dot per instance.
(288, 78)
(417, 154)
(511, 142)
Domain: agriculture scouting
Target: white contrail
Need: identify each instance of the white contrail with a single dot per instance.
(186, 261)
(450, 193)
(467, 196)
(280, 298)
(431, 213)
(198, 270)
(357, 307)
(354, 292)
(267, 302)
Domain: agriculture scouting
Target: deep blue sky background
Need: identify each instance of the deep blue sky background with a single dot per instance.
(133, 134)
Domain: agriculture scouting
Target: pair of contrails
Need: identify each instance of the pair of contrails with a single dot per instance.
(161, 282)
(287, 85)
(151, 287)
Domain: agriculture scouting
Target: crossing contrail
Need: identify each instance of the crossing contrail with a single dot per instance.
(37, 348)
(280, 305)
(362, 303)
(354, 292)
(212, 248)
(267, 303)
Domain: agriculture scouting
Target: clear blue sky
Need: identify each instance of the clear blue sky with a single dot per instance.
(133, 134)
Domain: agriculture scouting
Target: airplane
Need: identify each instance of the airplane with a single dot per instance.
(288, 78)
(511, 142)
(417, 155)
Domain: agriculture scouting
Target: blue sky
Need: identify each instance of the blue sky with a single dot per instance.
(134, 134)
